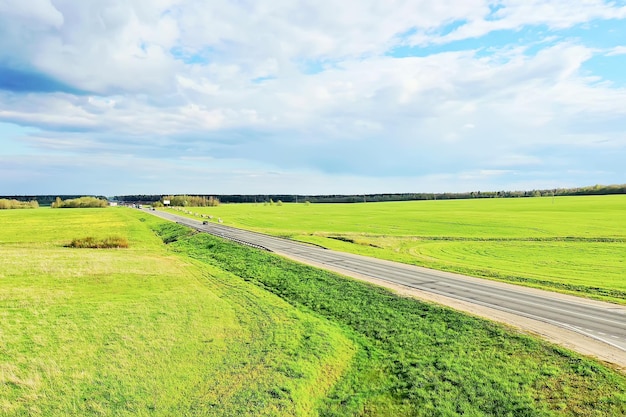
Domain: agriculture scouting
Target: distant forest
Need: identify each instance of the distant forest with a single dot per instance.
(353, 198)
(47, 200)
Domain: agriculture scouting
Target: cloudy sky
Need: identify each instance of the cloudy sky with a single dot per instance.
(312, 97)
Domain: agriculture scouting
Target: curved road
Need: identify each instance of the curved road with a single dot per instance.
(603, 322)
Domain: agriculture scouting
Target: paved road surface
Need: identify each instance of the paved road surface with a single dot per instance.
(602, 321)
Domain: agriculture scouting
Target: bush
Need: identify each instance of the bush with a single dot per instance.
(6, 204)
(93, 243)
(82, 202)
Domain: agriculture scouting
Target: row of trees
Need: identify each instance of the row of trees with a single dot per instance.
(189, 200)
(47, 200)
(193, 200)
(81, 202)
(205, 200)
(6, 204)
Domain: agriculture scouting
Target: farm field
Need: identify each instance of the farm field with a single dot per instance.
(569, 244)
(201, 326)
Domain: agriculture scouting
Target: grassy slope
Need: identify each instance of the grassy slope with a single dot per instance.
(572, 244)
(421, 360)
(140, 331)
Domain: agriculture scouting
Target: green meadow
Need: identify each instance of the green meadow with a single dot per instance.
(199, 326)
(568, 244)
(141, 331)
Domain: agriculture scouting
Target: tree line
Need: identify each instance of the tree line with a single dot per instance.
(81, 202)
(204, 199)
(360, 198)
(47, 200)
(188, 200)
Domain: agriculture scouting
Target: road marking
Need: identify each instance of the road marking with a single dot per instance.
(532, 302)
(588, 333)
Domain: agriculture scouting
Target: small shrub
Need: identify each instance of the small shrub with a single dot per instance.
(93, 243)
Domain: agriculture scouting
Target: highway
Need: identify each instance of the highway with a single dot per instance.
(603, 322)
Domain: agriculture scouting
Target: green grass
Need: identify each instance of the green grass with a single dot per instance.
(568, 244)
(144, 332)
(206, 327)
(417, 359)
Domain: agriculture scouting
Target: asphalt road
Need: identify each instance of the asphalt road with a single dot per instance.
(604, 322)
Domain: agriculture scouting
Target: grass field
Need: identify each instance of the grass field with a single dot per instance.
(206, 327)
(418, 359)
(140, 331)
(570, 244)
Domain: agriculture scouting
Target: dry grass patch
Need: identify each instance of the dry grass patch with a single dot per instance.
(93, 243)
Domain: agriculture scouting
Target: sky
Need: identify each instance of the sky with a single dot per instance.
(113, 97)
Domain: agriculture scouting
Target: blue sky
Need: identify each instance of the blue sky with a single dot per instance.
(312, 97)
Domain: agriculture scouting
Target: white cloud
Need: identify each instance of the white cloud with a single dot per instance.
(618, 50)
(515, 14)
(202, 85)
(456, 96)
(309, 86)
(38, 14)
